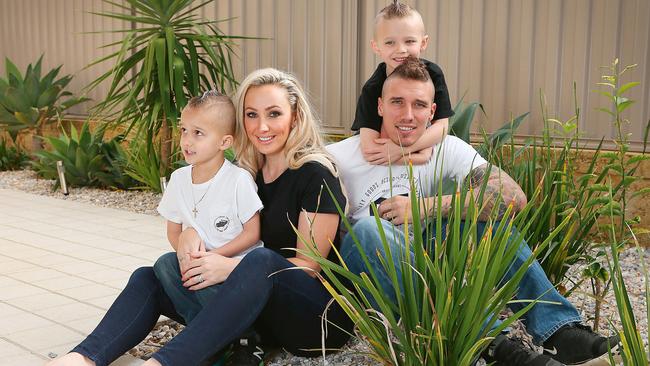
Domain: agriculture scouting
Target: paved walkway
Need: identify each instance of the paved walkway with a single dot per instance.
(62, 263)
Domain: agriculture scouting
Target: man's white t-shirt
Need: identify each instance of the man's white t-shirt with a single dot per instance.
(230, 201)
(453, 158)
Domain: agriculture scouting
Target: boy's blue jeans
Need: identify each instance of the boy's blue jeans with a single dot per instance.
(187, 303)
(541, 321)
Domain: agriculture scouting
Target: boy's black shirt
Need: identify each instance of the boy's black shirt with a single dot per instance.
(367, 115)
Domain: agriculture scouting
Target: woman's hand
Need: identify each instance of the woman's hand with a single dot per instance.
(207, 269)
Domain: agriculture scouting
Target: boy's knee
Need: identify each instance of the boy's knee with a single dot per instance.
(166, 264)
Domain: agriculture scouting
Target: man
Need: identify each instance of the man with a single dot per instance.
(406, 106)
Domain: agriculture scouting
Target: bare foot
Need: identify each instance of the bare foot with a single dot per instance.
(71, 359)
(152, 362)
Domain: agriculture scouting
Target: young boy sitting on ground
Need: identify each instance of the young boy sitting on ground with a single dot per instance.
(399, 32)
(210, 204)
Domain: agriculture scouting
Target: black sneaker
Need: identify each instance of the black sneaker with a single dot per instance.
(246, 351)
(577, 344)
(504, 351)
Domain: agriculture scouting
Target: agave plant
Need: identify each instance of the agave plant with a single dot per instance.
(88, 159)
(168, 55)
(30, 102)
(11, 157)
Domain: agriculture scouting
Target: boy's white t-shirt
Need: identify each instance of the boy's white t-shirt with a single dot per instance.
(453, 158)
(230, 201)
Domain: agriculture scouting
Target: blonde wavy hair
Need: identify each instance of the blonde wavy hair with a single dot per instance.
(304, 143)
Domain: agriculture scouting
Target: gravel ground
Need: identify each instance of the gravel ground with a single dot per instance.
(355, 353)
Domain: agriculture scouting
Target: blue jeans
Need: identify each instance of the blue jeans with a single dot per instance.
(285, 307)
(186, 302)
(541, 321)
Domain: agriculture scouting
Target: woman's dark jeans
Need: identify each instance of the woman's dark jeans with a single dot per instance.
(285, 307)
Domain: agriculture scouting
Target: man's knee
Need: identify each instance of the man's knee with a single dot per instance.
(362, 230)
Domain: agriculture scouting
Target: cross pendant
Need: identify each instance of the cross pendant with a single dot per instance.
(195, 211)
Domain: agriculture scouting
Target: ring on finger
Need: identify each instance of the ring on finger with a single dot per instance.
(200, 278)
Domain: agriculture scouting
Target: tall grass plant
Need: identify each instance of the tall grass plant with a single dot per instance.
(452, 286)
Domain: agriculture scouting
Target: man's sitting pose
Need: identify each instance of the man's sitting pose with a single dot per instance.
(406, 105)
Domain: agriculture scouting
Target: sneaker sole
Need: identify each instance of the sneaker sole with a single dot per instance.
(603, 360)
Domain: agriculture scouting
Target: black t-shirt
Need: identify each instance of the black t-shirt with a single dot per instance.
(284, 199)
(367, 115)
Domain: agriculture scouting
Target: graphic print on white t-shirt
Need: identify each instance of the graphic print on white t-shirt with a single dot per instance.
(230, 201)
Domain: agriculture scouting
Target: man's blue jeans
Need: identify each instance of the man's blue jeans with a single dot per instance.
(541, 321)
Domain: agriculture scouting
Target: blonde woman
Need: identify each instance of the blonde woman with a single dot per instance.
(277, 139)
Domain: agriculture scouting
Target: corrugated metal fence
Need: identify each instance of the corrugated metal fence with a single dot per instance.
(499, 52)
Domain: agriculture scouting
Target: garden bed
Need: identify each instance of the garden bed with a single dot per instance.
(146, 202)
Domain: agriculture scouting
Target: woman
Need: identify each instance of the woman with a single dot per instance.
(278, 141)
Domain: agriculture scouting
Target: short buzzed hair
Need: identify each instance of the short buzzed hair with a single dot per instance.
(411, 69)
(214, 98)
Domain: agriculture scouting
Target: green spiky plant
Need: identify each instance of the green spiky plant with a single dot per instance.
(11, 157)
(168, 56)
(444, 315)
(88, 158)
(585, 195)
(30, 102)
(553, 168)
(634, 351)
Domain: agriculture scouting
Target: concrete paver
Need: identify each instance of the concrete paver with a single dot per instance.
(62, 263)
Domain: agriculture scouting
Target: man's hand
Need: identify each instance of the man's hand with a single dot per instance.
(396, 209)
(188, 242)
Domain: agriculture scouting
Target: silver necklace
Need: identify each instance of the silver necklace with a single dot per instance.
(195, 211)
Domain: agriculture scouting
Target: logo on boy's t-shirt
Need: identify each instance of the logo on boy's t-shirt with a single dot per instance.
(221, 223)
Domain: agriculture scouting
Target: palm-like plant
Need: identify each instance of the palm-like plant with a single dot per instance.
(30, 102)
(167, 56)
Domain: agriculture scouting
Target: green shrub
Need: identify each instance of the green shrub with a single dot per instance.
(553, 167)
(87, 158)
(11, 157)
(553, 170)
(31, 102)
(143, 165)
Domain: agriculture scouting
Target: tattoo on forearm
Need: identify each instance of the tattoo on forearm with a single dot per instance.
(501, 191)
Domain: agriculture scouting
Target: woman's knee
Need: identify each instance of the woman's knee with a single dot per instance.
(259, 258)
(144, 276)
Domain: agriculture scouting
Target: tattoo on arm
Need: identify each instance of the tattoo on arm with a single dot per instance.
(501, 191)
